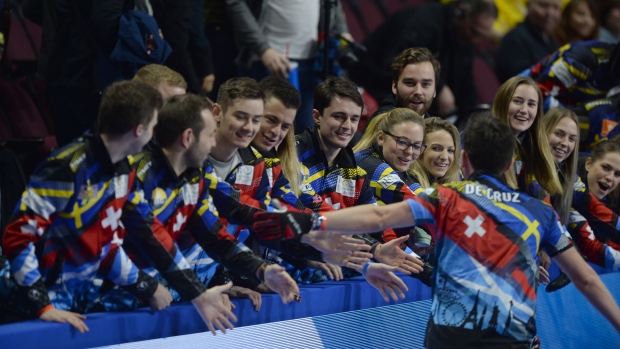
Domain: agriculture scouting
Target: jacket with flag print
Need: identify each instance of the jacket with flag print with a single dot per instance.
(68, 229)
(488, 236)
(188, 206)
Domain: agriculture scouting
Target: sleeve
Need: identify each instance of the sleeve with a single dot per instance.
(556, 238)
(199, 45)
(388, 187)
(230, 203)
(247, 32)
(49, 191)
(175, 24)
(158, 245)
(308, 195)
(338, 20)
(211, 235)
(105, 16)
(367, 197)
(603, 220)
(282, 191)
(583, 236)
(120, 269)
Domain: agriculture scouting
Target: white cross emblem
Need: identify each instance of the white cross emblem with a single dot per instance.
(116, 240)
(112, 217)
(180, 219)
(474, 226)
(31, 228)
(336, 206)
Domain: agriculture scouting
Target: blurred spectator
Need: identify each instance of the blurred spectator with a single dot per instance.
(449, 31)
(73, 32)
(271, 34)
(531, 40)
(579, 22)
(181, 22)
(610, 21)
(219, 32)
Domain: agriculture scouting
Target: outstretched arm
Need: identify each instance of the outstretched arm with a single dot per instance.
(590, 285)
(370, 218)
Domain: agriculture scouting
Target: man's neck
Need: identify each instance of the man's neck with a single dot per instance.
(117, 147)
(330, 152)
(176, 161)
(224, 151)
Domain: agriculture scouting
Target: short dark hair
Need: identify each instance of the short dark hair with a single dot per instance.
(282, 90)
(125, 105)
(489, 143)
(238, 88)
(178, 114)
(414, 55)
(334, 87)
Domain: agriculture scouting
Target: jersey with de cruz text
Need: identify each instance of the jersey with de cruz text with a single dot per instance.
(487, 237)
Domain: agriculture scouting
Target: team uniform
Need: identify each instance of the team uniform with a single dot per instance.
(65, 240)
(341, 185)
(598, 120)
(577, 73)
(188, 206)
(281, 189)
(488, 236)
(387, 185)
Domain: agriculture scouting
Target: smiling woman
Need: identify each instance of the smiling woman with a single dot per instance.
(440, 161)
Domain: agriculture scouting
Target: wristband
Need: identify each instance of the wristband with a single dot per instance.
(365, 268)
(45, 309)
(319, 221)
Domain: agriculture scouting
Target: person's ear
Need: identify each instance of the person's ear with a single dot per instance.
(137, 131)
(217, 112)
(394, 87)
(588, 163)
(187, 138)
(380, 138)
(316, 116)
(464, 159)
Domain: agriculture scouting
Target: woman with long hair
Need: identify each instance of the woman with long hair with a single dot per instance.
(440, 162)
(519, 104)
(390, 145)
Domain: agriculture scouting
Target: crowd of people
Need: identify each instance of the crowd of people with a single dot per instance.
(169, 196)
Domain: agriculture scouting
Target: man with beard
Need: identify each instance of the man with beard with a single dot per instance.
(415, 72)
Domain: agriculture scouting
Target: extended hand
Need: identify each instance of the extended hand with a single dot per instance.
(214, 309)
(382, 277)
(391, 254)
(354, 261)
(242, 292)
(334, 242)
(74, 319)
(278, 280)
(333, 272)
(161, 299)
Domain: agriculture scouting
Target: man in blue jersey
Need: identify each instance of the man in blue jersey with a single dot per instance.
(488, 236)
(67, 231)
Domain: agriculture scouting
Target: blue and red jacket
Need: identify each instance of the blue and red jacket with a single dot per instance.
(188, 207)
(487, 238)
(71, 221)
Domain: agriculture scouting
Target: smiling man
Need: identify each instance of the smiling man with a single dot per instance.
(325, 150)
(415, 72)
